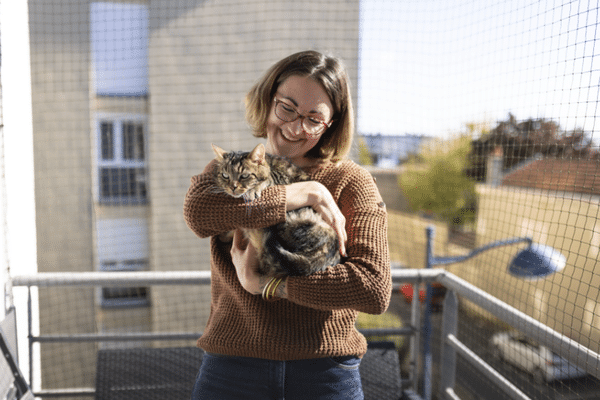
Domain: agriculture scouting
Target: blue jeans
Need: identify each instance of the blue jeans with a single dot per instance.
(241, 378)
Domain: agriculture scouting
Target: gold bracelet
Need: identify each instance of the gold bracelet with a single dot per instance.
(265, 292)
(268, 292)
(274, 288)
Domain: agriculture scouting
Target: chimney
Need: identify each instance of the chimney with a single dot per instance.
(494, 168)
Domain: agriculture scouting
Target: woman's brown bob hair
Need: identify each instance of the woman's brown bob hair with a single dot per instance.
(330, 73)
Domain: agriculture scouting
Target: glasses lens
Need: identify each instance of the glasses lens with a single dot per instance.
(312, 126)
(285, 112)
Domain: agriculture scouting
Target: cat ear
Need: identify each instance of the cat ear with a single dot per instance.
(258, 154)
(218, 151)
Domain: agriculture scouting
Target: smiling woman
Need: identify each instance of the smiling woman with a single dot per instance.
(304, 329)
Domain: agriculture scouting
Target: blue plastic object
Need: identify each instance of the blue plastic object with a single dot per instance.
(537, 261)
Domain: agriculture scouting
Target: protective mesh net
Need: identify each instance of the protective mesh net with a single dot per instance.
(128, 96)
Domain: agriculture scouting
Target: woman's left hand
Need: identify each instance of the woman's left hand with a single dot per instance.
(244, 258)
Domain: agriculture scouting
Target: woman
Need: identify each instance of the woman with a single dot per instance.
(305, 345)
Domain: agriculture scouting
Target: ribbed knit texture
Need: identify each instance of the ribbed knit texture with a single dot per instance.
(317, 319)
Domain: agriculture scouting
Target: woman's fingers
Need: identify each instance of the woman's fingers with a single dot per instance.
(332, 214)
(245, 261)
(317, 196)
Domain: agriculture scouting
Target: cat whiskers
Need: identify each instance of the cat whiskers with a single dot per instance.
(216, 190)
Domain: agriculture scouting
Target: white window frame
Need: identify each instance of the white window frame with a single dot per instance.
(118, 161)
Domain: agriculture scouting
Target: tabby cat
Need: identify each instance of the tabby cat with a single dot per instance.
(300, 246)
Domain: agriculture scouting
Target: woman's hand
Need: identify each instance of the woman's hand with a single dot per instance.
(244, 258)
(317, 196)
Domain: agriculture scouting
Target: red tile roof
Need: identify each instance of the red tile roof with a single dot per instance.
(580, 176)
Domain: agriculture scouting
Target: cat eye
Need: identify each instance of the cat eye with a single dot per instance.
(312, 126)
(225, 176)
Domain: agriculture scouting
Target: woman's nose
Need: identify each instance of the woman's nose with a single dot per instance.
(296, 127)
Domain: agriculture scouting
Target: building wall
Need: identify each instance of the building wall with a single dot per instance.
(61, 124)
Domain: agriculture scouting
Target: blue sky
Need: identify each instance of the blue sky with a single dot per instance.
(429, 67)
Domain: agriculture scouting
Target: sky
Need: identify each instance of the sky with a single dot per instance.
(430, 67)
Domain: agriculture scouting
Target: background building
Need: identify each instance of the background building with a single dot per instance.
(390, 151)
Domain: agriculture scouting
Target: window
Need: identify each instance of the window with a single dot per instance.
(121, 159)
(124, 296)
(119, 47)
(122, 245)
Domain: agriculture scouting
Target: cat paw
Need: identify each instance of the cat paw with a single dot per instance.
(252, 195)
(226, 237)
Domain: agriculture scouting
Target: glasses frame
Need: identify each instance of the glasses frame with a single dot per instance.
(303, 118)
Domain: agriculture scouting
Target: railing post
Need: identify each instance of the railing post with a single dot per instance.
(427, 361)
(415, 318)
(30, 335)
(448, 353)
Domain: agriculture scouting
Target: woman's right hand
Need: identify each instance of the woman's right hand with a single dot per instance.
(316, 195)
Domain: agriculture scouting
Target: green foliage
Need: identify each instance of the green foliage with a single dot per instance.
(385, 320)
(435, 182)
(364, 155)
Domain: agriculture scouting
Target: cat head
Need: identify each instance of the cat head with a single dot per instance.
(240, 172)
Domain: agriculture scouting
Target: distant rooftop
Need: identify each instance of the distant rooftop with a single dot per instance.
(391, 150)
(578, 176)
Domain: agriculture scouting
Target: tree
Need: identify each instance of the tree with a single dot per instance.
(523, 140)
(364, 155)
(436, 183)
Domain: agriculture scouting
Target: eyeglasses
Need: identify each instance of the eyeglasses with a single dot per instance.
(311, 126)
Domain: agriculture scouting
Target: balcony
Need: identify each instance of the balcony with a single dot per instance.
(417, 382)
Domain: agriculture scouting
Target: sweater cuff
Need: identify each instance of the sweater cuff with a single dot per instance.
(281, 213)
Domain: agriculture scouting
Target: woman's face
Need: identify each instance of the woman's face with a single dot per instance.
(309, 100)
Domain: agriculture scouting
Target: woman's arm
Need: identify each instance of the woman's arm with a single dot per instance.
(363, 281)
(208, 212)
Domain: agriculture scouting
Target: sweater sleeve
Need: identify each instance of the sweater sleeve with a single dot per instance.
(208, 213)
(363, 281)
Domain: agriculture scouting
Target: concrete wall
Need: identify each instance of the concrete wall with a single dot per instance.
(60, 59)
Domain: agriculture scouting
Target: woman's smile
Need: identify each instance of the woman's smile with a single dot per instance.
(288, 137)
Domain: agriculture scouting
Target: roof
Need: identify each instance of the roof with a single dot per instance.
(579, 176)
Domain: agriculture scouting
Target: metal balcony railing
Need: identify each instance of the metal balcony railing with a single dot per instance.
(572, 351)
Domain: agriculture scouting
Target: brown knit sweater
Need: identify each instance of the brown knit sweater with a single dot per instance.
(317, 319)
